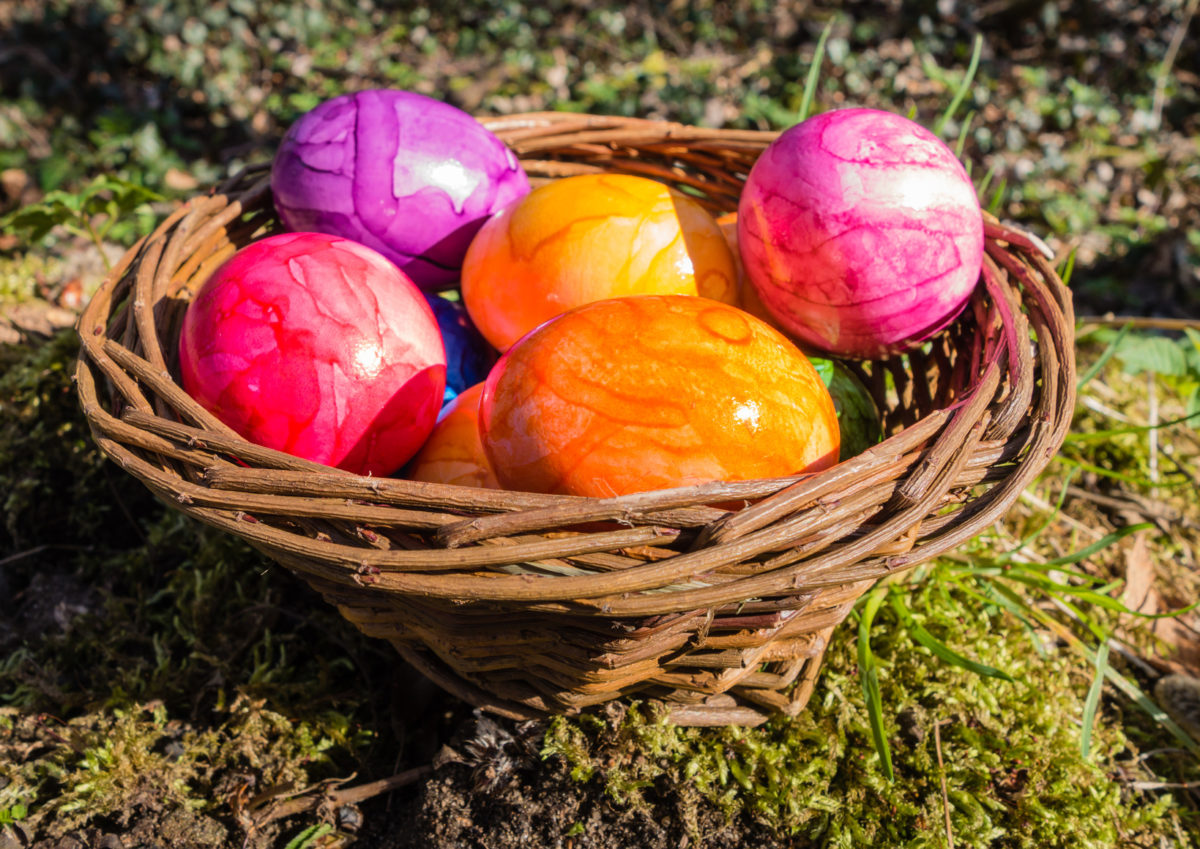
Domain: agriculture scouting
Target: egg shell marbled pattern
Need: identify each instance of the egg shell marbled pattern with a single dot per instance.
(407, 175)
(317, 346)
(651, 392)
(861, 232)
(587, 238)
(453, 453)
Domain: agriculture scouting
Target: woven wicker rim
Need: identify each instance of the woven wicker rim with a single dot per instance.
(975, 417)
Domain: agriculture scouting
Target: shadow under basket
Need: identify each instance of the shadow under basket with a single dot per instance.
(723, 616)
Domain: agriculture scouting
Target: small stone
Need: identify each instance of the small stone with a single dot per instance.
(912, 726)
(349, 818)
(1179, 696)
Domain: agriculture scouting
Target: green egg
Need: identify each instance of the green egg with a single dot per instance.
(858, 418)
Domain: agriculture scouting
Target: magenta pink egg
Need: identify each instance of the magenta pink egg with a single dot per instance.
(317, 346)
(861, 232)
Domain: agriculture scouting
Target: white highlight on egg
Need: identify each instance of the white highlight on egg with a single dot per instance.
(416, 172)
(368, 359)
(747, 413)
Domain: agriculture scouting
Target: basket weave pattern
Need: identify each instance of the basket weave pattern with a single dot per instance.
(528, 604)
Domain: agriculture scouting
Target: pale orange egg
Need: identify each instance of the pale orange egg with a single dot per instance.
(652, 392)
(747, 295)
(453, 453)
(587, 238)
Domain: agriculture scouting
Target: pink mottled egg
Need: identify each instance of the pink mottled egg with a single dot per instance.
(861, 232)
(317, 346)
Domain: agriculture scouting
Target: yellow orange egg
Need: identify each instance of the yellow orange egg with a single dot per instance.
(747, 295)
(453, 453)
(651, 392)
(587, 238)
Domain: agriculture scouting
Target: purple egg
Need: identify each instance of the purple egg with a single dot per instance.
(402, 173)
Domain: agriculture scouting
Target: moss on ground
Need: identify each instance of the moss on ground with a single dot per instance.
(150, 666)
(1013, 767)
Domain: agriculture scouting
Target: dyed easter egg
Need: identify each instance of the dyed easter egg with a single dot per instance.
(587, 238)
(405, 174)
(747, 295)
(468, 355)
(317, 346)
(858, 417)
(453, 453)
(861, 232)
(652, 392)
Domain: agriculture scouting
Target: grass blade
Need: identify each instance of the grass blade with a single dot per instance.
(1104, 358)
(1100, 544)
(962, 86)
(962, 138)
(998, 197)
(1005, 598)
(940, 649)
(814, 72)
(1093, 700)
(1140, 483)
(870, 679)
(1006, 556)
(1106, 435)
(1045, 585)
(1131, 690)
(1068, 268)
(988, 176)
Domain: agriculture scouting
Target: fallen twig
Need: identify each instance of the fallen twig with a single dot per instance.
(320, 795)
(1140, 322)
(937, 745)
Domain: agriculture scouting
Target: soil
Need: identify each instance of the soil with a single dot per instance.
(505, 797)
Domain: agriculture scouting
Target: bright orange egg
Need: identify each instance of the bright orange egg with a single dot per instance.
(453, 453)
(652, 392)
(587, 238)
(747, 295)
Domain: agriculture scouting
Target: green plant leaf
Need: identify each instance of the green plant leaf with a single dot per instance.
(35, 221)
(1129, 688)
(870, 679)
(309, 836)
(814, 73)
(1067, 269)
(1007, 556)
(1099, 545)
(1106, 435)
(1140, 353)
(963, 87)
(1093, 699)
(998, 196)
(962, 139)
(940, 649)
(1005, 598)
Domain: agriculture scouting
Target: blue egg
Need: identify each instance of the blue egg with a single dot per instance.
(469, 357)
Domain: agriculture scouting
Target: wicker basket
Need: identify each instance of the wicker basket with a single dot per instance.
(723, 615)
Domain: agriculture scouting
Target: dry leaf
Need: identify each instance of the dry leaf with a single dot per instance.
(1179, 650)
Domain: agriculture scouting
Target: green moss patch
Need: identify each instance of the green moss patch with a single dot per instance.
(1010, 752)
